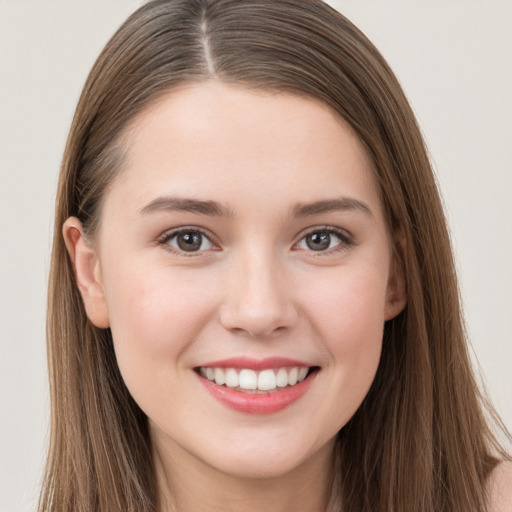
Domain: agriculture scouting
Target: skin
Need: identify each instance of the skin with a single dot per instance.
(255, 288)
(500, 488)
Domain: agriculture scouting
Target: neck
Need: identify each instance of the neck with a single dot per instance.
(187, 484)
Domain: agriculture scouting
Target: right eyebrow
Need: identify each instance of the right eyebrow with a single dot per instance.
(183, 204)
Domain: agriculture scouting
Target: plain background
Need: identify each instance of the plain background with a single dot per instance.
(454, 61)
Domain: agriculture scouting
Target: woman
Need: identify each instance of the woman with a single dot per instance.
(253, 302)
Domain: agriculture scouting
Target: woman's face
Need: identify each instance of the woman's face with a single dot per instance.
(243, 240)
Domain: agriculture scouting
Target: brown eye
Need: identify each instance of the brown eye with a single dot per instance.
(322, 240)
(318, 241)
(189, 241)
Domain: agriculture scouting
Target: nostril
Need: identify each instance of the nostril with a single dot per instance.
(256, 332)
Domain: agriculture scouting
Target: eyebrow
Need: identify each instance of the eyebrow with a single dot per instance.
(340, 204)
(179, 204)
(215, 209)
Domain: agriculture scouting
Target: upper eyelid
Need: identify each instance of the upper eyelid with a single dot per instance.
(331, 229)
(170, 233)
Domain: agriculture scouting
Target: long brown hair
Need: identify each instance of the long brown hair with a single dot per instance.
(420, 441)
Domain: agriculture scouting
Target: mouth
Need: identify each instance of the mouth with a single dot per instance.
(257, 387)
(247, 380)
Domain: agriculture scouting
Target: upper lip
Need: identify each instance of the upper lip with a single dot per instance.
(255, 364)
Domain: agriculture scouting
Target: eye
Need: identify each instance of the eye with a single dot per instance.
(323, 239)
(188, 240)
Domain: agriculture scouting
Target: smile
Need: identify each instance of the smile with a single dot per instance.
(257, 387)
(252, 381)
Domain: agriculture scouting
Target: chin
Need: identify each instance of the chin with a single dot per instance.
(266, 460)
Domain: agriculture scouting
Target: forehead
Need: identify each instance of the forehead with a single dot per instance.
(214, 139)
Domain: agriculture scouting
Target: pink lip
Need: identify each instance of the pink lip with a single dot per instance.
(258, 403)
(255, 364)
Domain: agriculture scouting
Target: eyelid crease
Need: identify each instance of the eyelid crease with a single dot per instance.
(343, 233)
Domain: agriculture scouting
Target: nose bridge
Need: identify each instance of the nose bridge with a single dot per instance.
(258, 299)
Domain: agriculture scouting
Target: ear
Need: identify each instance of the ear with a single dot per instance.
(396, 295)
(87, 272)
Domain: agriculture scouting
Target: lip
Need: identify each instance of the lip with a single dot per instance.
(257, 403)
(255, 364)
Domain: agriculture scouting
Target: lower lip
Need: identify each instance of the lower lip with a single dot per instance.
(258, 403)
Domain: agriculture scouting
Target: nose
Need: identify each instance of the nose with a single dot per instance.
(258, 297)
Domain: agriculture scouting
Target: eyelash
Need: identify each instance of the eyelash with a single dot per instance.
(169, 235)
(346, 240)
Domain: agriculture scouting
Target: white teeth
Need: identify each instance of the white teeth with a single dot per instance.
(246, 379)
(220, 376)
(292, 376)
(210, 374)
(282, 378)
(302, 374)
(232, 380)
(266, 380)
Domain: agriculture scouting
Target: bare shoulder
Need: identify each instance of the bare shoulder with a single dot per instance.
(500, 488)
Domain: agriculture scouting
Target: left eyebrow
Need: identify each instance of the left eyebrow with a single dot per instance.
(341, 204)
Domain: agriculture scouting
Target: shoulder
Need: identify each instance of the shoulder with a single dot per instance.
(500, 488)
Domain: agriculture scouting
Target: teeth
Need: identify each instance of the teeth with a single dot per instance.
(282, 378)
(302, 374)
(232, 380)
(292, 376)
(220, 376)
(267, 380)
(246, 379)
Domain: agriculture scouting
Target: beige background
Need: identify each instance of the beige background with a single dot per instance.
(454, 61)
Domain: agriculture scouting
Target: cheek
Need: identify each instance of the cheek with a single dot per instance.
(348, 308)
(155, 315)
(151, 306)
(349, 319)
